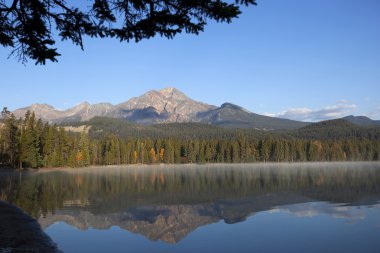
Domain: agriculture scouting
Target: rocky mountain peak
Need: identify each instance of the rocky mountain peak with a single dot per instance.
(42, 106)
(44, 111)
(170, 104)
(231, 106)
(173, 93)
(80, 108)
(168, 90)
(83, 105)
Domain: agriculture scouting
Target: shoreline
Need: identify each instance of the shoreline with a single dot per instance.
(19, 232)
(131, 166)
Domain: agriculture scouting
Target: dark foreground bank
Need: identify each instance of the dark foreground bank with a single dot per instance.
(21, 233)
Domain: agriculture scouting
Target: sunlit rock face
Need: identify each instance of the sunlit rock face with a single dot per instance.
(81, 112)
(170, 103)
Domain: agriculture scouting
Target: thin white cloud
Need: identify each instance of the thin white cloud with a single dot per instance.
(313, 209)
(340, 109)
(374, 114)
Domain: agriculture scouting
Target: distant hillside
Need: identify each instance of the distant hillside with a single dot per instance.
(326, 130)
(362, 120)
(233, 116)
(336, 129)
(102, 126)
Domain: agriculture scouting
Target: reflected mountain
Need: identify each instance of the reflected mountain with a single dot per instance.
(168, 203)
(170, 223)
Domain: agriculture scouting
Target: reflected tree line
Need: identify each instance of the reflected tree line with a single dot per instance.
(31, 143)
(118, 189)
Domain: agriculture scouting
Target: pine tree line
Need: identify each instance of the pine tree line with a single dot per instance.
(30, 143)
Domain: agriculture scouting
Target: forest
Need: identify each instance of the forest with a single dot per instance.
(31, 143)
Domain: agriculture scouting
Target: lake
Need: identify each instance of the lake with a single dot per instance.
(307, 207)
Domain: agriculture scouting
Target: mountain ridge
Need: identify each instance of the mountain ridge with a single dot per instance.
(170, 105)
(361, 120)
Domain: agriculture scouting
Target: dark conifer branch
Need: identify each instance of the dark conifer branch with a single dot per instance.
(26, 26)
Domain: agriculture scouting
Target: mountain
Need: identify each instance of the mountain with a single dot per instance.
(233, 116)
(81, 112)
(362, 120)
(166, 105)
(43, 111)
(170, 105)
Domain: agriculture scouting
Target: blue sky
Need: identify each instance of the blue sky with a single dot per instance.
(299, 59)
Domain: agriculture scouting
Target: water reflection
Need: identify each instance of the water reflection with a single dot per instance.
(168, 203)
(313, 209)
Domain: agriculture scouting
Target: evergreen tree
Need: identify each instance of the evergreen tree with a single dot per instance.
(84, 150)
(9, 139)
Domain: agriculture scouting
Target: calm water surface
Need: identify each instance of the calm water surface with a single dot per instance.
(327, 207)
